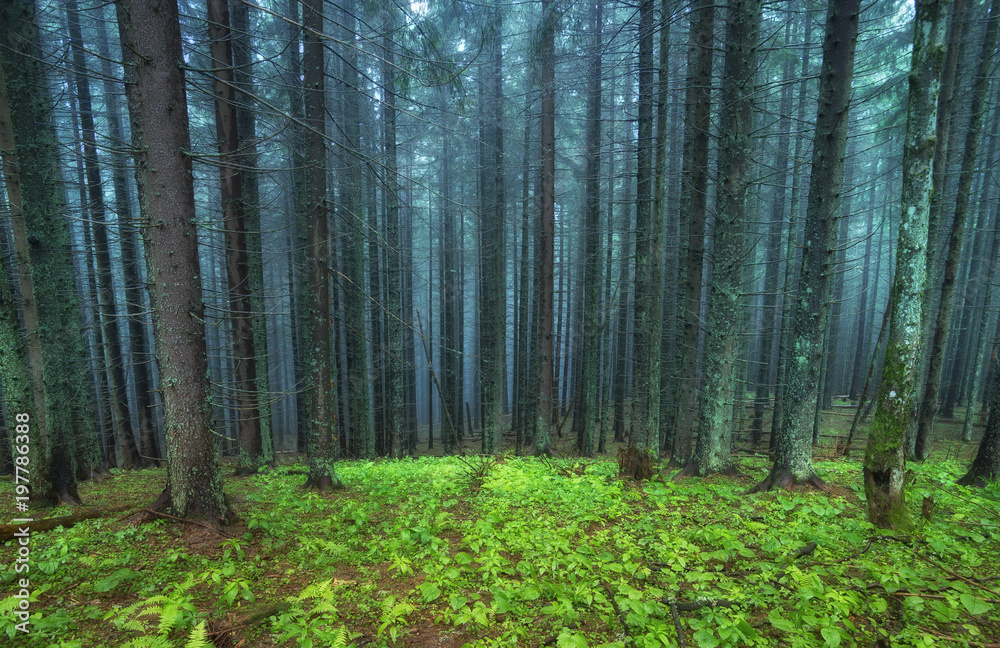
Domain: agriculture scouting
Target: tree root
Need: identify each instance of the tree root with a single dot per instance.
(541, 451)
(782, 478)
(323, 483)
(198, 516)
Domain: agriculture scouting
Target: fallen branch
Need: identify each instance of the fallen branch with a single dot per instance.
(681, 642)
(941, 635)
(691, 606)
(248, 620)
(956, 575)
(621, 617)
(792, 557)
(8, 531)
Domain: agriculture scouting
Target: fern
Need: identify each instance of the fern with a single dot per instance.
(174, 610)
(340, 641)
(199, 638)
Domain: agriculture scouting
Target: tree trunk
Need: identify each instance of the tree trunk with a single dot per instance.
(525, 364)
(247, 161)
(355, 232)
(396, 362)
(592, 239)
(929, 402)
(545, 248)
(642, 351)
(151, 45)
(113, 355)
(792, 257)
(237, 256)
(694, 197)
(773, 253)
(885, 460)
(319, 371)
(715, 438)
(493, 259)
(793, 455)
(62, 428)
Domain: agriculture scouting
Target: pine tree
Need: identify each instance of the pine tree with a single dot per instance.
(885, 461)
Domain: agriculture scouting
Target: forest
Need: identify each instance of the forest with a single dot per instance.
(623, 323)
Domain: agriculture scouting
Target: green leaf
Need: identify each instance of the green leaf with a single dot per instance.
(974, 605)
(706, 639)
(530, 593)
(831, 636)
(746, 630)
(429, 591)
(777, 621)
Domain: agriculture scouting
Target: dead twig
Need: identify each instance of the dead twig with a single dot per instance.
(179, 519)
(681, 642)
(621, 617)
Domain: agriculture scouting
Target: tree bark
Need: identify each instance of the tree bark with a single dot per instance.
(493, 259)
(545, 247)
(929, 402)
(793, 452)
(715, 438)
(320, 375)
(694, 197)
(237, 256)
(592, 238)
(885, 459)
(151, 45)
(62, 428)
(355, 234)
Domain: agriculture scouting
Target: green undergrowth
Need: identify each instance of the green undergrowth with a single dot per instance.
(477, 552)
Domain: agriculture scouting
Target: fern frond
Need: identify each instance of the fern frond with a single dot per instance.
(198, 638)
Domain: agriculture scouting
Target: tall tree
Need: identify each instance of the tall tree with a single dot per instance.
(113, 355)
(592, 237)
(494, 263)
(885, 459)
(694, 196)
(151, 46)
(251, 455)
(394, 294)
(714, 448)
(355, 234)
(319, 368)
(648, 253)
(793, 455)
(56, 355)
(545, 246)
(247, 162)
(973, 134)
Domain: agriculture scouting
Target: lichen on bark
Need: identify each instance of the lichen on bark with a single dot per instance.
(885, 460)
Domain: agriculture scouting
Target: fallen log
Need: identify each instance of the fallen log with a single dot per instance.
(8, 531)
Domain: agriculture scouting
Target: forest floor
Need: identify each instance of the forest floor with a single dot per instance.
(508, 551)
